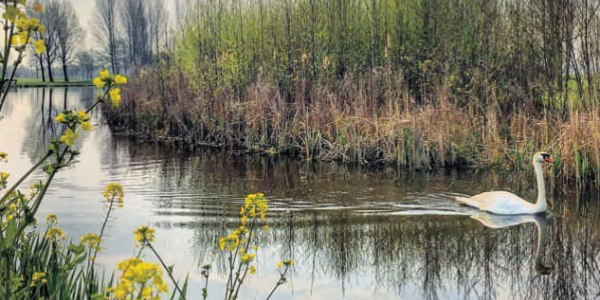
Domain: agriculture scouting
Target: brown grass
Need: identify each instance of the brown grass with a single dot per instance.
(354, 119)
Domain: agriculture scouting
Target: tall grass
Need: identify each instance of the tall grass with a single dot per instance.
(420, 83)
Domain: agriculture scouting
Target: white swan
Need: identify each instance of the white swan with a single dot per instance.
(505, 203)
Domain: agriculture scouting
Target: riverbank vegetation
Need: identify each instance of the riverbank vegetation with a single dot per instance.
(419, 83)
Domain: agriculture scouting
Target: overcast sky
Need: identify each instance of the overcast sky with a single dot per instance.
(85, 10)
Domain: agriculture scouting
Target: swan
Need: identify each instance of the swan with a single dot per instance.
(505, 203)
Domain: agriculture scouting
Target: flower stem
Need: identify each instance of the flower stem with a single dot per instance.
(166, 269)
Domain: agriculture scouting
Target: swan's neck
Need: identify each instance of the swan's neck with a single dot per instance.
(540, 204)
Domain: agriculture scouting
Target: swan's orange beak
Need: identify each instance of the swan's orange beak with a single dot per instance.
(549, 159)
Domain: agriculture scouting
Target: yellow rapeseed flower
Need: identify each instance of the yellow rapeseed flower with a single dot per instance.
(60, 118)
(104, 74)
(120, 79)
(3, 176)
(11, 13)
(252, 270)
(38, 276)
(87, 126)
(98, 82)
(246, 258)
(115, 96)
(55, 234)
(51, 219)
(69, 137)
(144, 234)
(83, 116)
(114, 192)
(139, 280)
(40, 46)
(91, 241)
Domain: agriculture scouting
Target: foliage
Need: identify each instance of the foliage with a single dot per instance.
(381, 81)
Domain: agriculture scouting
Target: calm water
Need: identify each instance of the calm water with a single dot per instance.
(355, 232)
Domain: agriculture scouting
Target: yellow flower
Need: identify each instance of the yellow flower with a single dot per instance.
(38, 276)
(104, 74)
(114, 191)
(87, 126)
(11, 13)
(3, 156)
(3, 176)
(287, 263)
(51, 219)
(144, 234)
(15, 40)
(115, 96)
(246, 258)
(139, 280)
(120, 79)
(60, 118)
(55, 234)
(69, 137)
(98, 82)
(83, 116)
(40, 46)
(266, 228)
(91, 241)
(252, 270)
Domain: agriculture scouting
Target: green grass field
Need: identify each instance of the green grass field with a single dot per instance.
(36, 82)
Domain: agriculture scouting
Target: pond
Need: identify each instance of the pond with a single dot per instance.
(355, 232)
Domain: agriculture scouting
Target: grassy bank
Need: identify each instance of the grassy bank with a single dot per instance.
(35, 82)
(381, 81)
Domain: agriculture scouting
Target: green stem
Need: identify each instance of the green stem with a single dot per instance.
(14, 187)
(14, 71)
(166, 269)
(279, 282)
(7, 289)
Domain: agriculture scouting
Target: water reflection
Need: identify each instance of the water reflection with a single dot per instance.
(356, 232)
(541, 224)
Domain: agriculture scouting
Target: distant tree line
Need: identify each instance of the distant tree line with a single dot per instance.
(131, 32)
(125, 33)
(62, 35)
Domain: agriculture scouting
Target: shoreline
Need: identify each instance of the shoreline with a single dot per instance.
(20, 83)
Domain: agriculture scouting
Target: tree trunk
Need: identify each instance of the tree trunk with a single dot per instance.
(42, 68)
(65, 72)
(50, 76)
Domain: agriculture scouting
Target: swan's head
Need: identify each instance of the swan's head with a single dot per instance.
(542, 157)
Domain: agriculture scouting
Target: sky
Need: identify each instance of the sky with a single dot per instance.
(85, 11)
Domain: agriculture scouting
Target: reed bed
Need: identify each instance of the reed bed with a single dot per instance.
(380, 81)
(342, 123)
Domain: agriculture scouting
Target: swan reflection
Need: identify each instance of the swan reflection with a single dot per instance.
(541, 224)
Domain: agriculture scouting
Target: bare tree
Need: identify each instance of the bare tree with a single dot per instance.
(157, 20)
(105, 30)
(49, 18)
(86, 63)
(135, 23)
(68, 34)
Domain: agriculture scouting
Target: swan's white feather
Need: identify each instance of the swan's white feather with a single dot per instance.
(500, 202)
